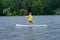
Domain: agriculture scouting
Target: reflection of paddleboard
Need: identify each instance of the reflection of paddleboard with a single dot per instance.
(29, 25)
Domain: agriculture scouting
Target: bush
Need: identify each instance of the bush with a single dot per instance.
(23, 12)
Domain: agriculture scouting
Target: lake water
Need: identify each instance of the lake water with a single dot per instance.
(9, 31)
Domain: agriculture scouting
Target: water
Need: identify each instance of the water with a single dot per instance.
(8, 30)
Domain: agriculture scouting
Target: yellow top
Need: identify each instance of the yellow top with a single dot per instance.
(29, 17)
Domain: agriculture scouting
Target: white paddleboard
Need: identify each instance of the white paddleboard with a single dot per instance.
(29, 25)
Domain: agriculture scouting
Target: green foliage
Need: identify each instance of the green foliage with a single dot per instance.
(15, 13)
(22, 7)
(23, 12)
(7, 12)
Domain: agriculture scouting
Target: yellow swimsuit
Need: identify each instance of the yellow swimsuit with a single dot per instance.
(29, 17)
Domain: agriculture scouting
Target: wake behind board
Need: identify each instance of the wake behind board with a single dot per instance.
(29, 25)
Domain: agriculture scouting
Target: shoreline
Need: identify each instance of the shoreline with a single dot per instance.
(32, 15)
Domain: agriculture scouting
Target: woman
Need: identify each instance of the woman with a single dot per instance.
(30, 18)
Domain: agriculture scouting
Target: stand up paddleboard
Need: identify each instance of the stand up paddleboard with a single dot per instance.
(29, 25)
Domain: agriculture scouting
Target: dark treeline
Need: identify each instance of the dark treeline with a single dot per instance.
(22, 7)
